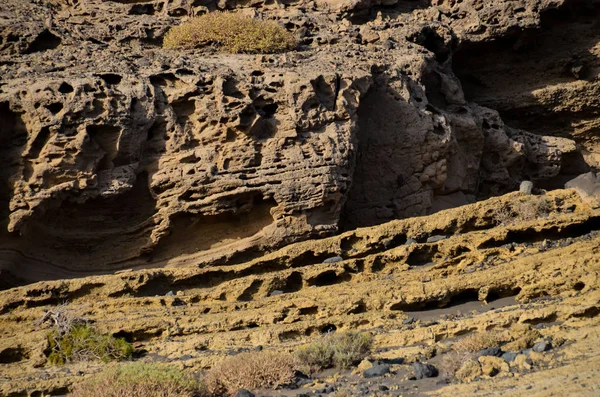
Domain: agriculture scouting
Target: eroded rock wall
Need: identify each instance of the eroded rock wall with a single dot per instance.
(118, 154)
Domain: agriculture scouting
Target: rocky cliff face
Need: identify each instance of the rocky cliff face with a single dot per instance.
(116, 154)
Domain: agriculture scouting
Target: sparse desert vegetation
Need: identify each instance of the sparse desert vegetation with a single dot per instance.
(251, 370)
(340, 350)
(75, 339)
(465, 349)
(231, 31)
(523, 210)
(140, 380)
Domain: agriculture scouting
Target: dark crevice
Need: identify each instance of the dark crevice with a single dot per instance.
(110, 78)
(533, 235)
(422, 255)
(450, 300)
(46, 40)
(12, 355)
(138, 335)
(249, 292)
(329, 277)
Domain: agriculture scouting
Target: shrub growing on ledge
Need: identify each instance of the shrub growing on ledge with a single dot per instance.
(140, 380)
(232, 31)
(340, 350)
(251, 370)
(83, 342)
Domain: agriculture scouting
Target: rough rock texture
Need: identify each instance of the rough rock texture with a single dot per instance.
(540, 279)
(588, 187)
(116, 154)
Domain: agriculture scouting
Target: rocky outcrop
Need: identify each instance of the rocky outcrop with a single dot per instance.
(417, 285)
(117, 154)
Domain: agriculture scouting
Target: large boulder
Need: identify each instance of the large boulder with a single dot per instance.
(588, 187)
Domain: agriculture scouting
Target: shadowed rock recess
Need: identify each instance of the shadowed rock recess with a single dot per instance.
(129, 171)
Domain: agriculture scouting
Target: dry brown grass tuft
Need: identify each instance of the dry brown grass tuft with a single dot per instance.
(452, 362)
(472, 343)
(140, 380)
(340, 349)
(251, 370)
(465, 350)
(232, 31)
(522, 211)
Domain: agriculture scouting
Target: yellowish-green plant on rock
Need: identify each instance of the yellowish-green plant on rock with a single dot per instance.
(83, 342)
(340, 350)
(141, 380)
(234, 32)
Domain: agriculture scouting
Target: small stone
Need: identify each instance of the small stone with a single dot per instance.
(436, 238)
(491, 366)
(408, 321)
(388, 45)
(410, 241)
(526, 187)
(333, 259)
(424, 370)
(244, 393)
(364, 365)
(587, 187)
(542, 346)
(276, 292)
(383, 388)
(170, 293)
(509, 357)
(523, 362)
(490, 351)
(376, 370)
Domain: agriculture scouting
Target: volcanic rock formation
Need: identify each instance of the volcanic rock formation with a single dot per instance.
(118, 154)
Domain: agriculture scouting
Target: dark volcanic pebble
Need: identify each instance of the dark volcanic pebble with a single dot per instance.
(424, 370)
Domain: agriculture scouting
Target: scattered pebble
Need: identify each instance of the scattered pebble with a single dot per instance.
(509, 357)
(376, 370)
(526, 187)
(490, 351)
(542, 346)
(244, 393)
(333, 259)
(436, 238)
(424, 370)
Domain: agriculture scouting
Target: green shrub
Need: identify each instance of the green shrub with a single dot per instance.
(232, 31)
(140, 380)
(341, 350)
(83, 342)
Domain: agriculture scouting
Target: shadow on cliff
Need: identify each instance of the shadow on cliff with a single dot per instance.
(505, 74)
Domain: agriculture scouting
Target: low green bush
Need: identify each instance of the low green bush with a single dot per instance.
(140, 380)
(340, 350)
(234, 32)
(83, 342)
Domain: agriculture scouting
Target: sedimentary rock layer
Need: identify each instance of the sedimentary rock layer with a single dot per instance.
(116, 154)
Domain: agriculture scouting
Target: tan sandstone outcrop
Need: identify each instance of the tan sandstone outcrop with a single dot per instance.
(117, 154)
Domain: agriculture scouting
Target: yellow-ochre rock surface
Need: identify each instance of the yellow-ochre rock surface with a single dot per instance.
(525, 280)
